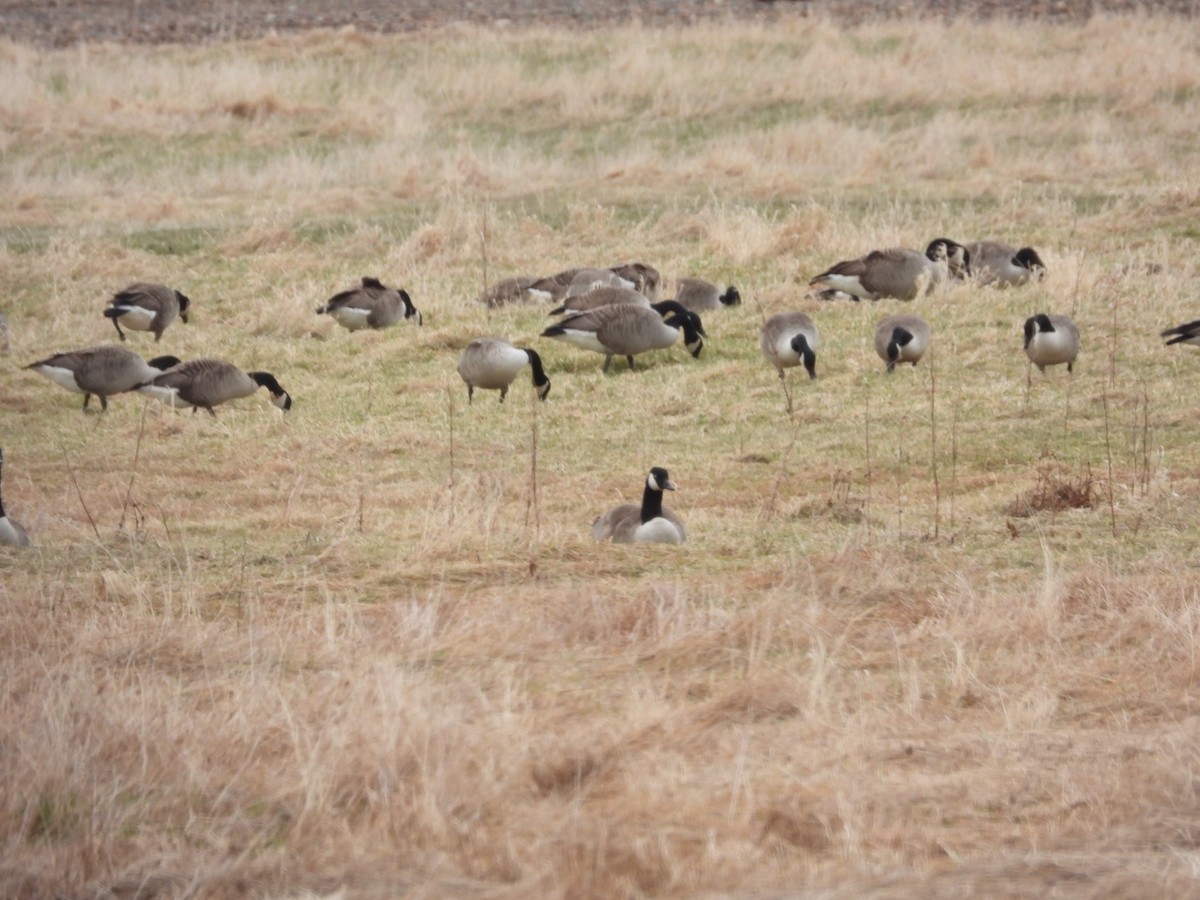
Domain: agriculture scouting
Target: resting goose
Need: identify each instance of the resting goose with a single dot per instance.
(371, 305)
(1051, 340)
(1002, 265)
(103, 371)
(902, 339)
(205, 383)
(629, 330)
(651, 522)
(147, 307)
(493, 363)
(897, 272)
(788, 340)
(11, 532)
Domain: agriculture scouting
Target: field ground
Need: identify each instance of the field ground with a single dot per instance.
(368, 648)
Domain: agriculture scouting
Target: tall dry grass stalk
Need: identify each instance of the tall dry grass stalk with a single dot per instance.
(326, 659)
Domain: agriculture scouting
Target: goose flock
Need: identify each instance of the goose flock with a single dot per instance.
(613, 311)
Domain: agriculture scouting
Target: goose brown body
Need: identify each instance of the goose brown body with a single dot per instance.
(896, 272)
(146, 306)
(206, 383)
(902, 339)
(1051, 340)
(699, 295)
(371, 305)
(493, 364)
(601, 296)
(790, 339)
(104, 371)
(1003, 265)
(625, 330)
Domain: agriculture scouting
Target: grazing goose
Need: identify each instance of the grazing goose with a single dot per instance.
(553, 288)
(790, 339)
(103, 371)
(11, 533)
(147, 307)
(1051, 340)
(897, 272)
(626, 330)
(699, 295)
(205, 383)
(902, 339)
(1002, 265)
(643, 276)
(371, 305)
(492, 363)
(651, 522)
(517, 289)
(1188, 333)
(602, 296)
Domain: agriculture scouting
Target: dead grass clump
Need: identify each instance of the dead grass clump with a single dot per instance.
(1055, 490)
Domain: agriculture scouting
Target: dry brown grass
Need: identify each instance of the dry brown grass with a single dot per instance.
(343, 652)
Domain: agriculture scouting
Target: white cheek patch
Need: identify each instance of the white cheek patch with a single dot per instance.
(280, 401)
(136, 318)
(62, 377)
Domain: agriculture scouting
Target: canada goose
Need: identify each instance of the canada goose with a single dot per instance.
(790, 339)
(645, 277)
(493, 363)
(205, 383)
(602, 296)
(699, 295)
(371, 305)
(625, 330)
(553, 288)
(1188, 333)
(103, 371)
(517, 289)
(147, 307)
(586, 280)
(1003, 265)
(1051, 340)
(897, 272)
(11, 533)
(651, 522)
(902, 339)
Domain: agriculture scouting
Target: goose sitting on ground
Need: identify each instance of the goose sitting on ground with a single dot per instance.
(699, 295)
(586, 280)
(516, 289)
(11, 533)
(601, 296)
(897, 272)
(902, 339)
(643, 276)
(629, 330)
(205, 383)
(371, 305)
(1002, 265)
(493, 363)
(790, 339)
(1187, 333)
(147, 307)
(651, 522)
(103, 371)
(1051, 340)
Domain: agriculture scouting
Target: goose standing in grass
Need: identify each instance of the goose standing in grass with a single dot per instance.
(205, 383)
(601, 296)
(896, 272)
(652, 522)
(902, 339)
(103, 371)
(370, 305)
(788, 340)
(699, 295)
(11, 533)
(493, 363)
(1002, 265)
(629, 330)
(1051, 340)
(1187, 333)
(147, 307)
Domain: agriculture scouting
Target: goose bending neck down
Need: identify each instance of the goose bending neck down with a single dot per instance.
(493, 364)
(205, 383)
(627, 330)
(652, 522)
(104, 371)
(1051, 340)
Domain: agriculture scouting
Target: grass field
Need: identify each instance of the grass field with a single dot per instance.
(368, 648)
